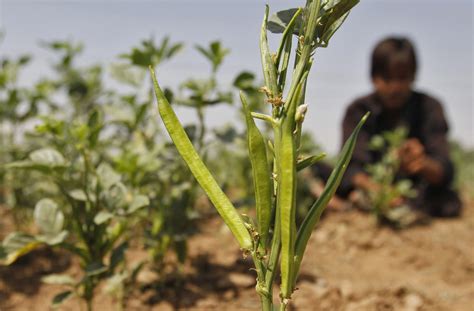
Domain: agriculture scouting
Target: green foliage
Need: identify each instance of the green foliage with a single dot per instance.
(463, 159)
(148, 54)
(384, 173)
(98, 206)
(215, 53)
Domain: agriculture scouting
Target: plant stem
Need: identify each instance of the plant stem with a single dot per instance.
(262, 289)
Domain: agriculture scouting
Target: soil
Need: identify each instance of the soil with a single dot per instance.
(351, 264)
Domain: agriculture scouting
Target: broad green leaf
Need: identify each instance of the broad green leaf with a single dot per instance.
(278, 22)
(58, 279)
(47, 157)
(102, 217)
(318, 207)
(138, 202)
(107, 176)
(61, 297)
(48, 217)
(53, 238)
(43, 160)
(17, 244)
(329, 18)
(78, 194)
(200, 171)
(244, 81)
(116, 196)
(260, 171)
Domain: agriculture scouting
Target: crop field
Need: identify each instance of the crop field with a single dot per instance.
(109, 201)
(351, 265)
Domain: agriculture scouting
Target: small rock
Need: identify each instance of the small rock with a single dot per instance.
(228, 295)
(346, 289)
(412, 302)
(146, 277)
(242, 280)
(322, 236)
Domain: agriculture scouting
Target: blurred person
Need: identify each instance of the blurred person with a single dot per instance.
(424, 157)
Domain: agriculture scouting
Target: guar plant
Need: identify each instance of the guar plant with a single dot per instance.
(384, 175)
(273, 237)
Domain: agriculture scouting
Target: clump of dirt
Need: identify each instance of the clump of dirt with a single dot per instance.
(351, 264)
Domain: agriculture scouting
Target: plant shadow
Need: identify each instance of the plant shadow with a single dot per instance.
(206, 279)
(24, 275)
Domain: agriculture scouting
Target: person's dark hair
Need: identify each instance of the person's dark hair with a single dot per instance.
(392, 57)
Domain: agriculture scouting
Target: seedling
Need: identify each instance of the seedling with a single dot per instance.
(384, 174)
(273, 237)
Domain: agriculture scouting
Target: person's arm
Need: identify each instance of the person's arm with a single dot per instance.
(415, 161)
(363, 181)
(429, 158)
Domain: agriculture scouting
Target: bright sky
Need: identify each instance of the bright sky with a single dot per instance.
(442, 31)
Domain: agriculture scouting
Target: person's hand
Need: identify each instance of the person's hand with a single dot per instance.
(412, 156)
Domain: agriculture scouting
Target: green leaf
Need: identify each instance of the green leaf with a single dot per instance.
(48, 217)
(95, 268)
(318, 207)
(199, 169)
(107, 176)
(138, 202)
(116, 196)
(330, 17)
(118, 255)
(102, 217)
(244, 81)
(127, 74)
(58, 279)
(308, 161)
(53, 239)
(17, 244)
(78, 194)
(260, 171)
(48, 157)
(278, 22)
(61, 297)
(43, 160)
(215, 53)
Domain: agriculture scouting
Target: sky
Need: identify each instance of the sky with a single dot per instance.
(441, 30)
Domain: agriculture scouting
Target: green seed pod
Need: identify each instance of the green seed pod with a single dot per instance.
(200, 171)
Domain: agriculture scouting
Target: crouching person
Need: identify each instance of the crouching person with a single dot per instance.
(424, 156)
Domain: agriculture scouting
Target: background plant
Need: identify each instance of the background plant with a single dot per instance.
(76, 117)
(91, 216)
(384, 174)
